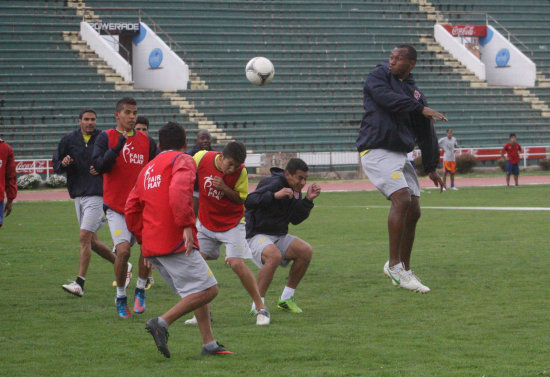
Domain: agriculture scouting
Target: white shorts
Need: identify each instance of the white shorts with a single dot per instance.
(89, 212)
(234, 240)
(260, 241)
(185, 275)
(118, 228)
(390, 171)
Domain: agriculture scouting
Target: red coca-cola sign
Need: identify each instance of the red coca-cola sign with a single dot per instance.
(33, 166)
(466, 30)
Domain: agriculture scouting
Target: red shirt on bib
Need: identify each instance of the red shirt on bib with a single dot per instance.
(216, 212)
(120, 179)
(160, 205)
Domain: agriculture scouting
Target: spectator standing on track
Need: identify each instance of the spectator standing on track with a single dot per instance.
(448, 144)
(512, 149)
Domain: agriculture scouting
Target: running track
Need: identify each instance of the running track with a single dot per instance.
(356, 185)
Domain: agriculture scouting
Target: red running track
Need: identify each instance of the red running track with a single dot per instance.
(355, 185)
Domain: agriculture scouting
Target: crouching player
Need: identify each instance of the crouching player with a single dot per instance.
(277, 202)
(159, 212)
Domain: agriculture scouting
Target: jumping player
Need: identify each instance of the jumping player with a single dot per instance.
(397, 116)
(74, 157)
(512, 150)
(277, 202)
(119, 154)
(8, 179)
(448, 144)
(159, 212)
(223, 187)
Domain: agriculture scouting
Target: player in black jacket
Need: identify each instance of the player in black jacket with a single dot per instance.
(85, 185)
(277, 202)
(396, 118)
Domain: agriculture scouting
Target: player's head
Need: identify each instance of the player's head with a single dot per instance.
(233, 156)
(402, 61)
(296, 173)
(204, 140)
(449, 133)
(172, 137)
(513, 138)
(142, 124)
(87, 121)
(126, 114)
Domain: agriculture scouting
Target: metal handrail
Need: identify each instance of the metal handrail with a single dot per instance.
(488, 17)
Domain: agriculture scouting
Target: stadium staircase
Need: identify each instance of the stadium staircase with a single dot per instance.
(322, 51)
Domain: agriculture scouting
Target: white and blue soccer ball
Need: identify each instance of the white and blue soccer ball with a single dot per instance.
(260, 71)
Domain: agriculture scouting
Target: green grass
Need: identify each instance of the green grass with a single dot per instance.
(487, 314)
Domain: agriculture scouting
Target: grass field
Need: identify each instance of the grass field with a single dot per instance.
(487, 314)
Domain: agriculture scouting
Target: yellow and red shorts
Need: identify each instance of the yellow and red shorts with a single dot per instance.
(449, 167)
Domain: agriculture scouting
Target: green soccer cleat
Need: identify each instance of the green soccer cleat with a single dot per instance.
(289, 306)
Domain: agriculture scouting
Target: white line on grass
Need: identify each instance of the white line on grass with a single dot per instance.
(455, 208)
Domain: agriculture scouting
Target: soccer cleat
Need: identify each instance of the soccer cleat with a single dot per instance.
(262, 317)
(388, 273)
(416, 281)
(150, 282)
(128, 276)
(73, 288)
(192, 321)
(219, 351)
(160, 336)
(454, 188)
(289, 306)
(139, 301)
(122, 307)
(253, 312)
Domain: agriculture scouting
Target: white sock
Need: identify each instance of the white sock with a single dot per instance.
(288, 293)
(120, 291)
(163, 323)
(254, 305)
(141, 283)
(397, 267)
(211, 346)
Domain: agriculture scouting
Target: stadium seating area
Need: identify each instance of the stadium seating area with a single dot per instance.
(321, 49)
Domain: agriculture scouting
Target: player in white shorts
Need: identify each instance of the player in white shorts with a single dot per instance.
(74, 158)
(396, 118)
(277, 202)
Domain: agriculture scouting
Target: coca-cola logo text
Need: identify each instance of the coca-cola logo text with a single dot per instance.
(32, 166)
(466, 30)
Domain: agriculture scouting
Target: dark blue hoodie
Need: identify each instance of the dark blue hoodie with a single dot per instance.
(393, 117)
(267, 215)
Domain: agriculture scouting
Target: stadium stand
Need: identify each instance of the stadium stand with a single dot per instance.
(322, 51)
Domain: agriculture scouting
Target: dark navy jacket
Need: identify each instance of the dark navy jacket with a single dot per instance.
(393, 117)
(80, 182)
(267, 215)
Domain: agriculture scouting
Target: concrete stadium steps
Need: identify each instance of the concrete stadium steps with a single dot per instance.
(322, 51)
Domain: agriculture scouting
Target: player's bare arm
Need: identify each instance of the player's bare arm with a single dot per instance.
(231, 194)
(188, 239)
(313, 191)
(432, 114)
(8, 207)
(288, 192)
(436, 179)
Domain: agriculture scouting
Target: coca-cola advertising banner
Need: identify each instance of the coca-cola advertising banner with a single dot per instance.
(466, 30)
(33, 166)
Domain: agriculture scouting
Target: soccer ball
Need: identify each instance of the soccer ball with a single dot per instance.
(260, 71)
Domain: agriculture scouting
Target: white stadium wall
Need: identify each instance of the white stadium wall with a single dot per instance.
(105, 51)
(459, 51)
(505, 65)
(156, 66)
